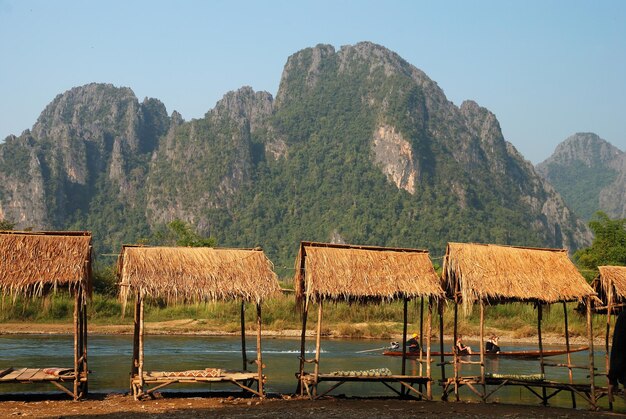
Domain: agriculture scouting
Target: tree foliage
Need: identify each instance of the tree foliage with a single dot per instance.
(179, 233)
(6, 225)
(609, 244)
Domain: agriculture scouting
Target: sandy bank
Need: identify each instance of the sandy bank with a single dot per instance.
(199, 328)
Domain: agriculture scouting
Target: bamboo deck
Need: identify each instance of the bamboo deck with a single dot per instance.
(39, 375)
(583, 390)
(158, 380)
(406, 381)
(31, 375)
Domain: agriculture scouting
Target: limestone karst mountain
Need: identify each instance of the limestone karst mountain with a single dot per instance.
(358, 146)
(590, 174)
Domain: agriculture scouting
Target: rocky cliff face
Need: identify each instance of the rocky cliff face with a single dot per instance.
(590, 173)
(359, 146)
(86, 148)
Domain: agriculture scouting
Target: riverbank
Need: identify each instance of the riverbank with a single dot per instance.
(199, 328)
(122, 406)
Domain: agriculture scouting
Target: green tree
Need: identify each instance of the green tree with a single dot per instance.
(609, 244)
(6, 225)
(179, 233)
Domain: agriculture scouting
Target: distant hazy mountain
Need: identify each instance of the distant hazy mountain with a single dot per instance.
(358, 146)
(590, 174)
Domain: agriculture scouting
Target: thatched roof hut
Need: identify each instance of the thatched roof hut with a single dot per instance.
(34, 262)
(196, 273)
(363, 273)
(610, 284)
(507, 273)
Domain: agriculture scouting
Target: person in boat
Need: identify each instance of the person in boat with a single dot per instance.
(617, 369)
(491, 347)
(461, 348)
(413, 344)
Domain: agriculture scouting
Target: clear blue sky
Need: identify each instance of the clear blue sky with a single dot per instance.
(546, 68)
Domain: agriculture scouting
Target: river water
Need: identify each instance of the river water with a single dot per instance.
(110, 361)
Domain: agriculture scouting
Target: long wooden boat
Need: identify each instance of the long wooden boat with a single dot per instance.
(504, 354)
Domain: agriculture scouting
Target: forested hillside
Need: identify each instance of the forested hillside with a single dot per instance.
(358, 146)
(590, 174)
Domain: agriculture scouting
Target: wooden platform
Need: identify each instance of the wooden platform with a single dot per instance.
(406, 381)
(159, 379)
(31, 375)
(583, 390)
(39, 375)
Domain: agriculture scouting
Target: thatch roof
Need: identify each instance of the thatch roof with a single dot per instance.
(507, 273)
(611, 281)
(360, 273)
(196, 273)
(34, 262)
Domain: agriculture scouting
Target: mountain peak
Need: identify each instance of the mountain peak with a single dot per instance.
(590, 173)
(586, 147)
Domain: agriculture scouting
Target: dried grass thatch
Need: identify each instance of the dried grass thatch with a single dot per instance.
(196, 273)
(507, 273)
(363, 273)
(611, 284)
(34, 262)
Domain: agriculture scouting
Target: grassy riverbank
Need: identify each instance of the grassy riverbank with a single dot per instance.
(515, 321)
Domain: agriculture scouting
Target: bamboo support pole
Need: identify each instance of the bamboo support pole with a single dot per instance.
(607, 339)
(569, 356)
(482, 348)
(135, 364)
(76, 343)
(244, 358)
(404, 329)
(441, 345)
(454, 351)
(421, 372)
(259, 355)
(544, 396)
(591, 362)
(141, 349)
(305, 315)
(85, 366)
(318, 343)
(429, 321)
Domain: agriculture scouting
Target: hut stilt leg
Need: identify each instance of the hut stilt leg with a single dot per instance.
(569, 356)
(544, 396)
(76, 343)
(300, 389)
(259, 356)
(404, 330)
(592, 374)
(429, 324)
(318, 344)
(141, 349)
(456, 357)
(441, 347)
(85, 362)
(135, 365)
(421, 365)
(482, 349)
(243, 336)
(607, 338)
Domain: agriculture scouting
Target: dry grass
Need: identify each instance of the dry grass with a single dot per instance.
(35, 262)
(610, 284)
(196, 274)
(363, 273)
(505, 273)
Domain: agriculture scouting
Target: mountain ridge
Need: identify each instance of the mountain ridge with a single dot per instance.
(358, 145)
(590, 173)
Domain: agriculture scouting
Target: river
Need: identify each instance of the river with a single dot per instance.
(110, 360)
